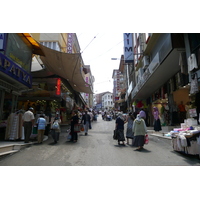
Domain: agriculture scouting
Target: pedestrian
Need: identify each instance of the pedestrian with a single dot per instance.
(157, 124)
(139, 131)
(55, 126)
(119, 127)
(129, 130)
(142, 114)
(41, 122)
(28, 123)
(74, 121)
(86, 120)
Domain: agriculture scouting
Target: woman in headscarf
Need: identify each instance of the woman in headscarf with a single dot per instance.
(139, 130)
(74, 121)
(129, 131)
(120, 128)
(157, 125)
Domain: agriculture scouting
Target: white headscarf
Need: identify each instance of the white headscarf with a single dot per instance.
(120, 115)
(138, 117)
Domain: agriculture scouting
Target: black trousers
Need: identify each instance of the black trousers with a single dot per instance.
(55, 135)
(27, 131)
(74, 136)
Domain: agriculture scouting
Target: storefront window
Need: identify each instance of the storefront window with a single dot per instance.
(19, 51)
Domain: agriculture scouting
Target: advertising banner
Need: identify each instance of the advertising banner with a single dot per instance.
(128, 47)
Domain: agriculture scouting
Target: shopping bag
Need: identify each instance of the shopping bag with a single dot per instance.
(146, 139)
(82, 128)
(55, 125)
(115, 134)
(69, 136)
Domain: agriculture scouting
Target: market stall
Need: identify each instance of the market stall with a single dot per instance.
(187, 138)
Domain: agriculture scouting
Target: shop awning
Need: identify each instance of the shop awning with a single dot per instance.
(65, 65)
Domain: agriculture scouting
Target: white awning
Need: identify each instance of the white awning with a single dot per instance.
(65, 65)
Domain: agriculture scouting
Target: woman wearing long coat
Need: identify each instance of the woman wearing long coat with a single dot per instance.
(157, 124)
(119, 127)
(129, 130)
(139, 130)
(74, 120)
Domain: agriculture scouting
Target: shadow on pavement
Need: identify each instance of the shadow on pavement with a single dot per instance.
(116, 145)
(188, 157)
(143, 150)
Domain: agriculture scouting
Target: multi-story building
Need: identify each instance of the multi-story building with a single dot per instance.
(107, 101)
(98, 100)
(165, 73)
(90, 80)
(119, 86)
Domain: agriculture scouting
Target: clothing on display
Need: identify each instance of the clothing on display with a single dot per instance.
(14, 128)
(194, 84)
(183, 63)
(192, 62)
(186, 141)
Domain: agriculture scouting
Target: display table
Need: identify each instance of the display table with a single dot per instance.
(187, 142)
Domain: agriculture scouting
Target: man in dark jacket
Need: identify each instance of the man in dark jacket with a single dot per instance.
(86, 119)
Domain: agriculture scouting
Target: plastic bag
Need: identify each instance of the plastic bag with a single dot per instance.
(69, 137)
(82, 128)
(146, 139)
(55, 125)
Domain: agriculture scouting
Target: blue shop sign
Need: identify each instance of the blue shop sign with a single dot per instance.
(13, 70)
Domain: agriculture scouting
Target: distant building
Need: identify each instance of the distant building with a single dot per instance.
(107, 101)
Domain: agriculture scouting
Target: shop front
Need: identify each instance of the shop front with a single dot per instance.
(15, 66)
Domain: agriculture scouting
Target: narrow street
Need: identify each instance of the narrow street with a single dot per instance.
(98, 149)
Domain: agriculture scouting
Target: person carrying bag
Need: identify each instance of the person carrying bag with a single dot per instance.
(55, 126)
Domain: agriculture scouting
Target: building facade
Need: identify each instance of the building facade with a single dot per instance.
(165, 73)
(107, 101)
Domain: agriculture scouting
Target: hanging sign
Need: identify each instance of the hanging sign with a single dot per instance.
(69, 42)
(128, 47)
(58, 84)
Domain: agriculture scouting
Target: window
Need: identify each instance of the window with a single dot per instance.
(51, 45)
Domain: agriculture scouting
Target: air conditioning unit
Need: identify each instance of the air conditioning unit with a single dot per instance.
(146, 61)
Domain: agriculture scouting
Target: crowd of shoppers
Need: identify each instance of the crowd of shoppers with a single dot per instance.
(135, 131)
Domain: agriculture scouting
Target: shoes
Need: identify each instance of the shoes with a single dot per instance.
(85, 133)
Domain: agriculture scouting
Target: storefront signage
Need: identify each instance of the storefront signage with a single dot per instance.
(69, 42)
(128, 47)
(58, 88)
(11, 69)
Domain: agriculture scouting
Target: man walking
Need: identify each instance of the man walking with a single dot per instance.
(86, 119)
(28, 123)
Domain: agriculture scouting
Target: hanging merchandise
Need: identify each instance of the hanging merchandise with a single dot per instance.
(192, 62)
(14, 129)
(183, 63)
(194, 84)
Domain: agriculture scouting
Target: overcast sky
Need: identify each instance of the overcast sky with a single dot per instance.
(97, 50)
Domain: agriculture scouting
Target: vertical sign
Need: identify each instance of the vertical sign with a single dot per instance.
(128, 47)
(69, 42)
(58, 84)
